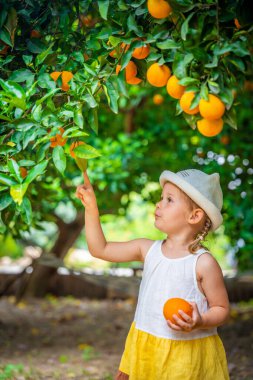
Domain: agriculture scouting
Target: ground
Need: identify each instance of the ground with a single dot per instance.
(66, 338)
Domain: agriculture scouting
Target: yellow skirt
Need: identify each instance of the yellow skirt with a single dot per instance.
(147, 357)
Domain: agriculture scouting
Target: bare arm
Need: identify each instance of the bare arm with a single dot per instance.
(215, 292)
(96, 241)
(213, 286)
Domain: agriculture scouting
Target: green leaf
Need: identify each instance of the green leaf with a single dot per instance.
(82, 163)
(23, 124)
(26, 163)
(180, 64)
(18, 191)
(13, 88)
(5, 201)
(214, 62)
(90, 100)
(125, 59)
(6, 180)
(5, 37)
(89, 70)
(238, 63)
(195, 101)
(59, 159)
(112, 95)
(36, 46)
(132, 24)
(187, 81)
(43, 55)
(37, 112)
(204, 92)
(14, 169)
(6, 149)
(48, 95)
(27, 59)
(78, 117)
(227, 97)
(168, 44)
(93, 119)
(34, 172)
(86, 151)
(114, 41)
(185, 26)
(26, 210)
(21, 75)
(191, 120)
(103, 6)
(5, 118)
(3, 16)
(230, 118)
(45, 81)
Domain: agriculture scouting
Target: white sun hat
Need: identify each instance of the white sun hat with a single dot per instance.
(204, 189)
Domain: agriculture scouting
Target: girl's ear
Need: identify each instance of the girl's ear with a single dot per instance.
(196, 216)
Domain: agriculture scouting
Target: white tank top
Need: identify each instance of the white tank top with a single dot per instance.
(165, 278)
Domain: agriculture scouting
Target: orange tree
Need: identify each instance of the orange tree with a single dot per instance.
(62, 63)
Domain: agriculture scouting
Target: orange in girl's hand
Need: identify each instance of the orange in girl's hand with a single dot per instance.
(172, 305)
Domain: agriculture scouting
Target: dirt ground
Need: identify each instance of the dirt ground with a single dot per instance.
(66, 338)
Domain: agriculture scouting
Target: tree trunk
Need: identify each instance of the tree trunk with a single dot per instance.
(38, 281)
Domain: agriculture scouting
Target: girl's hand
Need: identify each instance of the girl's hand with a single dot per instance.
(86, 194)
(188, 323)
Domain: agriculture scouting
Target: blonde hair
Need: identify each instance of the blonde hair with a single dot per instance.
(200, 235)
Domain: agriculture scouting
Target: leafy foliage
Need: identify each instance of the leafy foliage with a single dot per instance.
(199, 41)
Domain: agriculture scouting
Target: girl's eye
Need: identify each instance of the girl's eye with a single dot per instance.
(169, 199)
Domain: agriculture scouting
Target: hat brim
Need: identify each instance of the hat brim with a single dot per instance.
(210, 209)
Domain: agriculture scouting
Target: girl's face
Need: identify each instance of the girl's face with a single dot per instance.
(172, 210)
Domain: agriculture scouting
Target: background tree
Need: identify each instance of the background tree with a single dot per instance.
(64, 65)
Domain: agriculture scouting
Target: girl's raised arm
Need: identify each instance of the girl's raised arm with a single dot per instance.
(132, 250)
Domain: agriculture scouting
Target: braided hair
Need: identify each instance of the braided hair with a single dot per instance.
(194, 245)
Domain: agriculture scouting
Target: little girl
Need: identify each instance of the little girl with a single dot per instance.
(176, 267)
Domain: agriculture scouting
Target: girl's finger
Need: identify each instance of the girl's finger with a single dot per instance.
(173, 326)
(185, 316)
(86, 179)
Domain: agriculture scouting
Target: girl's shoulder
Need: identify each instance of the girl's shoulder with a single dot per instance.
(206, 262)
(145, 246)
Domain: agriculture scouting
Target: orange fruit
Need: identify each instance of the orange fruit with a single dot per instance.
(225, 140)
(55, 75)
(174, 89)
(35, 34)
(141, 52)
(66, 76)
(158, 99)
(130, 73)
(158, 75)
(211, 109)
(159, 8)
(237, 24)
(185, 103)
(210, 128)
(73, 146)
(58, 139)
(134, 80)
(172, 305)
(131, 70)
(86, 20)
(23, 172)
(113, 53)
